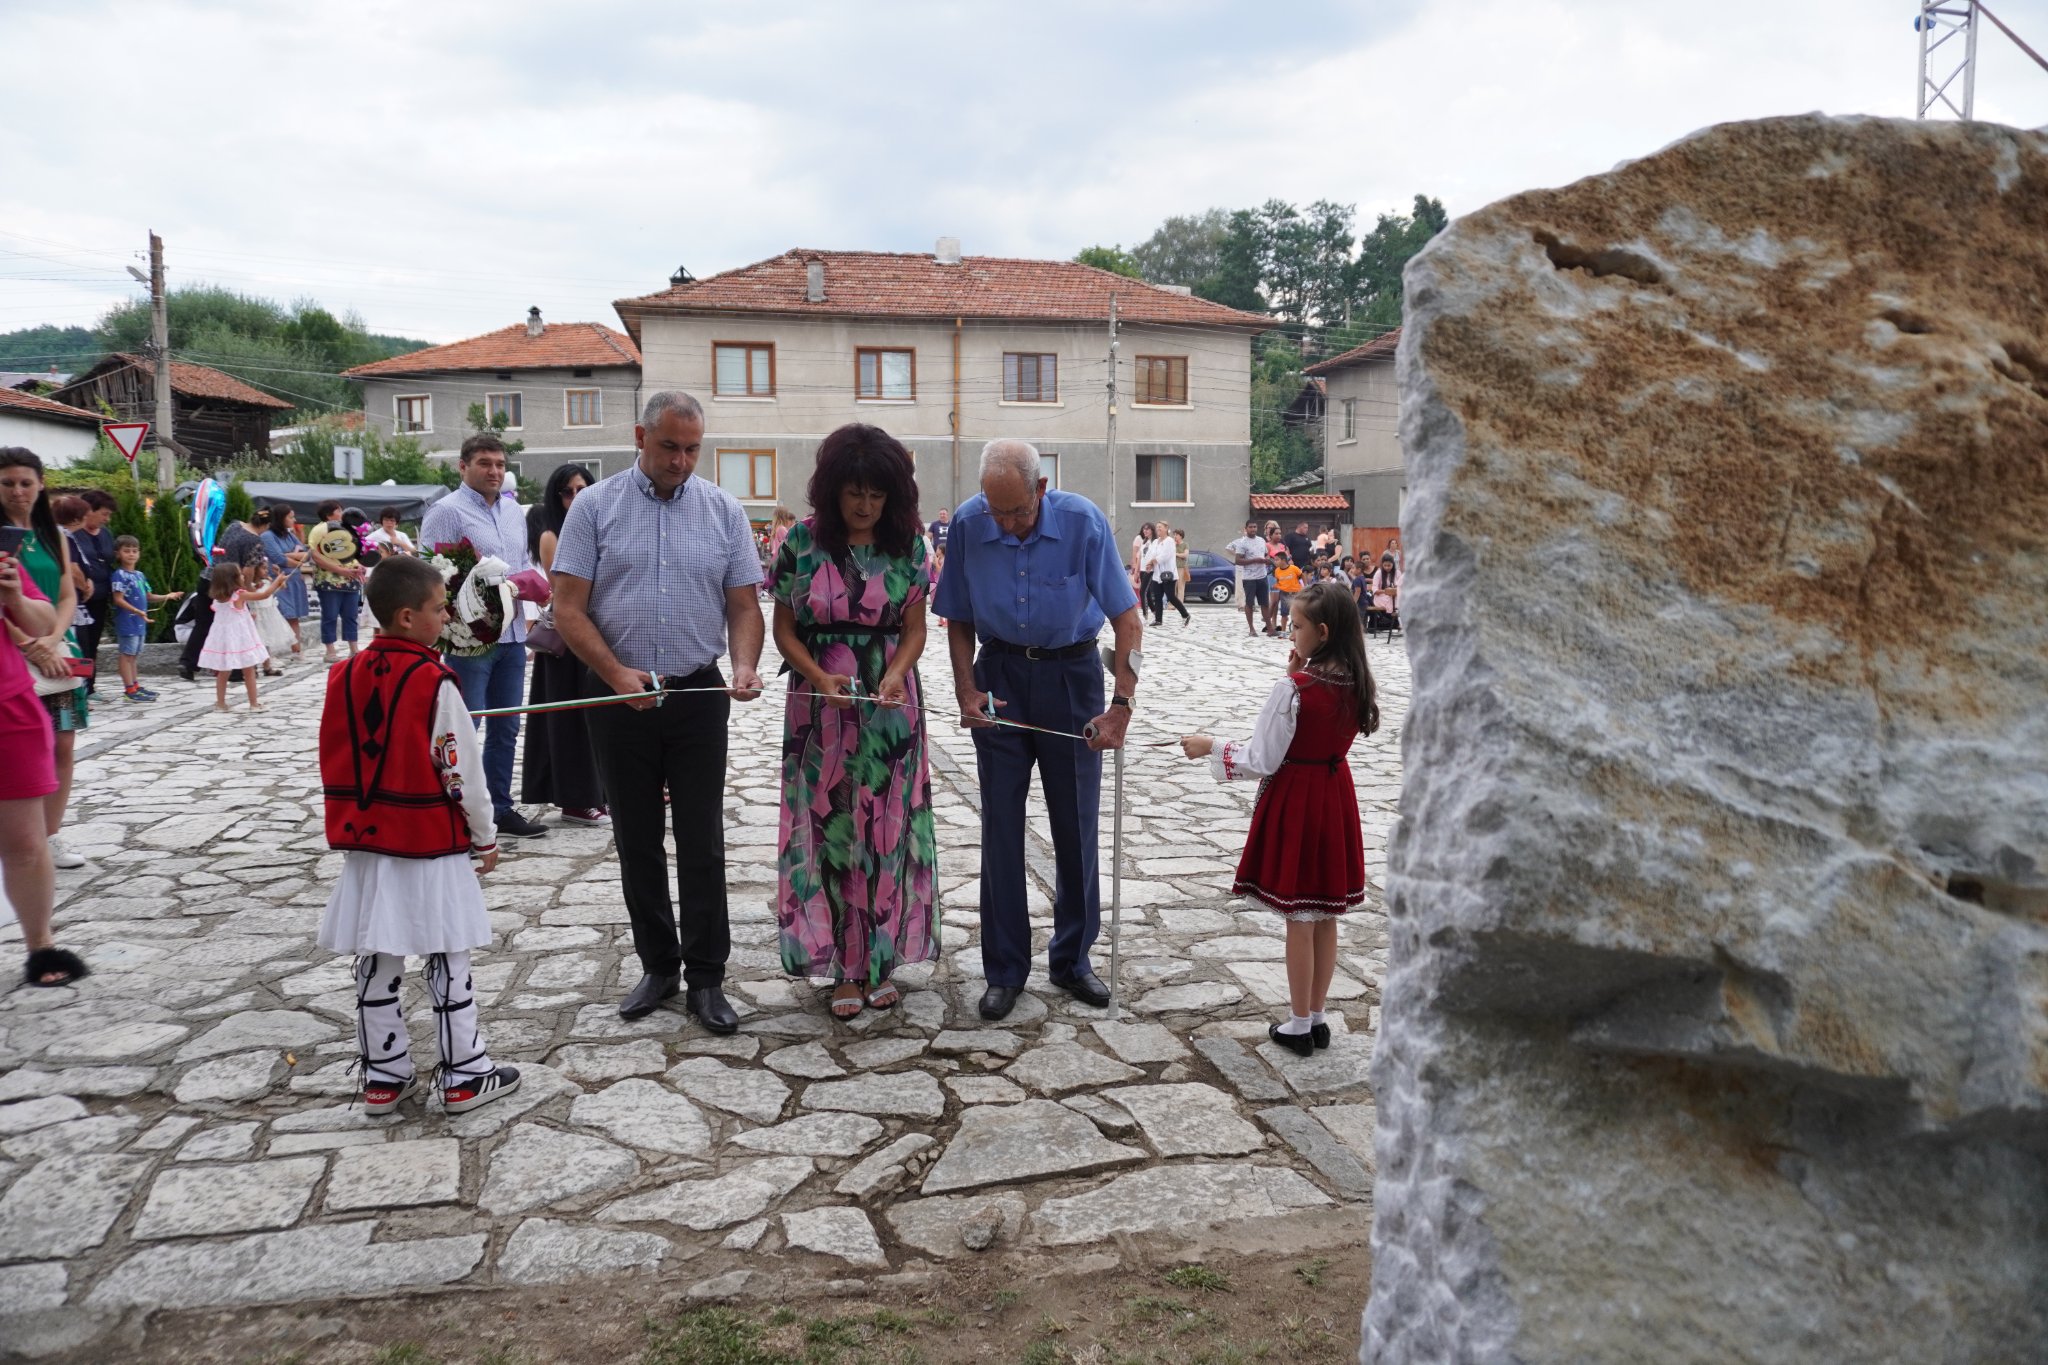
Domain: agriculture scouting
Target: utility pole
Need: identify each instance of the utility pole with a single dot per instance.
(1112, 417)
(160, 344)
(1941, 22)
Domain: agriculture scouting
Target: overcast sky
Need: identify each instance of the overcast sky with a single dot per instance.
(437, 167)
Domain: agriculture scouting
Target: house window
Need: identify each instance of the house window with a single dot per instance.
(413, 412)
(1162, 478)
(747, 474)
(1351, 419)
(742, 369)
(582, 407)
(884, 373)
(1163, 380)
(506, 405)
(1049, 465)
(579, 374)
(1030, 378)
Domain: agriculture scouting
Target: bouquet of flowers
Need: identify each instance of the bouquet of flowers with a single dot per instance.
(480, 595)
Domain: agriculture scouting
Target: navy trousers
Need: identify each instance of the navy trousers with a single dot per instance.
(1060, 694)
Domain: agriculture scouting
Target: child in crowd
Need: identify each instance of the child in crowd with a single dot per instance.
(408, 807)
(132, 601)
(1287, 581)
(276, 636)
(233, 643)
(1304, 856)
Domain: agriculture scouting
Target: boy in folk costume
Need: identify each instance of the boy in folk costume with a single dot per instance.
(408, 808)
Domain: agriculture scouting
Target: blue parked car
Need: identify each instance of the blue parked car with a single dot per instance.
(1211, 577)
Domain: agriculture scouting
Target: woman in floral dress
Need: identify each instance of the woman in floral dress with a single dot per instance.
(857, 862)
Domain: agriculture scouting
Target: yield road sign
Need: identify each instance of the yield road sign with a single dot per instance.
(126, 436)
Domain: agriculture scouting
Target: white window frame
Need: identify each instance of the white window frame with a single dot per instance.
(752, 453)
(1186, 478)
(490, 417)
(595, 393)
(398, 426)
(1350, 421)
(1049, 466)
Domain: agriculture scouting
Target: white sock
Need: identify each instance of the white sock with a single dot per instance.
(1316, 1017)
(1296, 1025)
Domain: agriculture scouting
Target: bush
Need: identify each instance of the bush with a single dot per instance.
(239, 506)
(168, 559)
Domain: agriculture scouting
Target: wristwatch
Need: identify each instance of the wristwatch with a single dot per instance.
(1120, 700)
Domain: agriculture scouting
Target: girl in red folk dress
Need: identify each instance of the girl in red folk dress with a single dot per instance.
(1304, 856)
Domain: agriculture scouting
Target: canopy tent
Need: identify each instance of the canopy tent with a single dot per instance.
(411, 499)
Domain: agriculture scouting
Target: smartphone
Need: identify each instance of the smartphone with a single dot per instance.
(12, 538)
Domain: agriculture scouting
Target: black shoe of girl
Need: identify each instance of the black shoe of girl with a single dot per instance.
(381, 1097)
(1319, 1034)
(1300, 1044)
(474, 1092)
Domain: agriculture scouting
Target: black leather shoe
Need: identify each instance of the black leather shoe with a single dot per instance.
(709, 1004)
(1319, 1034)
(1086, 988)
(644, 998)
(997, 1001)
(1300, 1044)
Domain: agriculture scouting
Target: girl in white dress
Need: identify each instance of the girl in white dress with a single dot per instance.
(233, 642)
(277, 637)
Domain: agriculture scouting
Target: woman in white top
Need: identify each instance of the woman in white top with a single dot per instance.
(387, 534)
(1139, 542)
(1161, 565)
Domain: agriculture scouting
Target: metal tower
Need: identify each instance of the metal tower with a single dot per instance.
(1948, 42)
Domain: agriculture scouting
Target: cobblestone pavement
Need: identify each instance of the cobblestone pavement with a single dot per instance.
(177, 1131)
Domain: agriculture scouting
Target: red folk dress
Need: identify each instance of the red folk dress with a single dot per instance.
(1304, 856)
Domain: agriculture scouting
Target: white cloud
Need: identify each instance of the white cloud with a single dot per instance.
(440, 167)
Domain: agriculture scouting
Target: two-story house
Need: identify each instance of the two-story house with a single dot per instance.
(948, 352)
(1362, 438)
(569, 390)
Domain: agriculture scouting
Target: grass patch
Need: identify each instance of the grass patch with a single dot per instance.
(1044, 1351)
(1310, 1273)
(1199, 1279)
(1006, 1297)
(404, 1353)
(711, 1336)
(782, 1317)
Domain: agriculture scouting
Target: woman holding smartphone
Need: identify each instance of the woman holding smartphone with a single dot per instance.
(45, 559)
(28, 774)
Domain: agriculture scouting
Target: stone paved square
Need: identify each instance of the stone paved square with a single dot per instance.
(195, 1088)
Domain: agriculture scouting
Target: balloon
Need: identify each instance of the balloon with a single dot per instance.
(209, 504)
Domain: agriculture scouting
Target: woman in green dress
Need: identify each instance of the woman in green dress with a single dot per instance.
(46, 556)
(857, 860)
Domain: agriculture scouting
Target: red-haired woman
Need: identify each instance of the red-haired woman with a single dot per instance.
(857, 859)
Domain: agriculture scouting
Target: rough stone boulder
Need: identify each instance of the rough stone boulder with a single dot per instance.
(1717, 1021)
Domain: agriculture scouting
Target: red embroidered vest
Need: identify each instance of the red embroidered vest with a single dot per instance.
(376, 758)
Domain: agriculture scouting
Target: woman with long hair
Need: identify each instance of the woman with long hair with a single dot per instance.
(28, 776)
(283, 548)
(559, 768)
(857, 859)
(46, 559)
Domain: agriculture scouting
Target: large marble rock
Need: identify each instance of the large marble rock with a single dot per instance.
(1714, 1022)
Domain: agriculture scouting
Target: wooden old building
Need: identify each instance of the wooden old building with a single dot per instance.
(214, 415)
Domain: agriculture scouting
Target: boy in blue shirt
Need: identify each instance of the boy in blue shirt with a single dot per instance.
(132, 600)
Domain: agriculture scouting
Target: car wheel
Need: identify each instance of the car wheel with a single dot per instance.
(1219, 592)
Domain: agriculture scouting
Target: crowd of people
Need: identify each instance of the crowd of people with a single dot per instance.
(649, 578)
(1275, 568)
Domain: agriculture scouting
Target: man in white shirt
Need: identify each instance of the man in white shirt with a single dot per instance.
(1254, 563)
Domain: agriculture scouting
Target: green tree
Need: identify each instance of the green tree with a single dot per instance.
(69, 349)
(168, 559)
(1240, 265)
(1383, 253)
(1184, 250)
(1279, 452)
(238, 506)
(494, 426)
(1111, 258)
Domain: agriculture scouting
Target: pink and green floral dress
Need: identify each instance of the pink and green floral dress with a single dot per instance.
(857, 858)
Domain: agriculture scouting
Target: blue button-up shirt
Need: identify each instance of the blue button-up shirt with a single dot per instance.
(497, 529)
(1056, 586)
(658, 568)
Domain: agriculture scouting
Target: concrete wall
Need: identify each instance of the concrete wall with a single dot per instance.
(56, 443)
(550, 442)
(815, 393)
(1364, 459)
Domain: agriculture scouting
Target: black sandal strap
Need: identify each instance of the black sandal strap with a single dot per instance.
(45, 961)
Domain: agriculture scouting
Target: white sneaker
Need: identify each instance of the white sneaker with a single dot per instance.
(63, 856)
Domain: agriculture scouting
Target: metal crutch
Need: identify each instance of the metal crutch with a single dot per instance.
(1116, 850)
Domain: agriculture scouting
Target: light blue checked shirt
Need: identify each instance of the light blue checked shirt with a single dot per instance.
(495, 529)
(658, 570)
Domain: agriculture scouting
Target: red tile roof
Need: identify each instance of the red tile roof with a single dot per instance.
(560, 346)
(1299, 502)
(1379, 348)
(28, 404)
(900, 285)
(187, 380)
